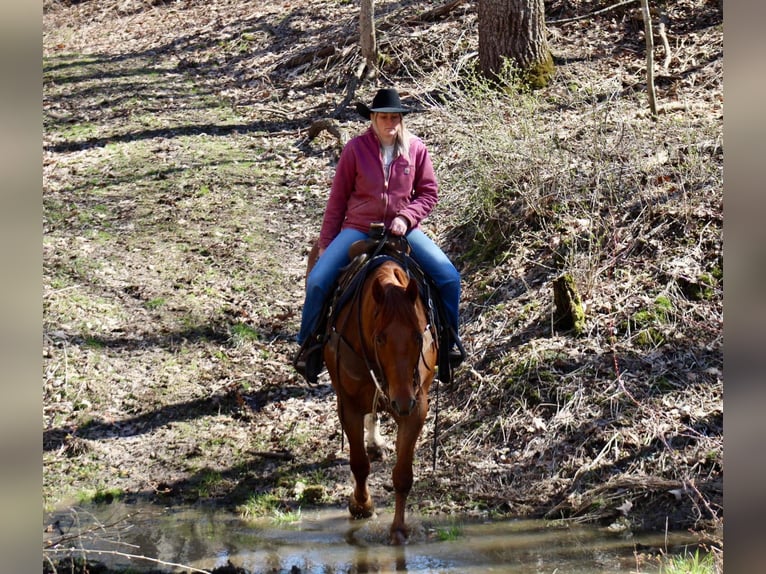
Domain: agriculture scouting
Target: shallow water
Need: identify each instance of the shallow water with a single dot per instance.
(328, 541)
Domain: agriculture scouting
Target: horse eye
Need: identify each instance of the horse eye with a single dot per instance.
(380, 339)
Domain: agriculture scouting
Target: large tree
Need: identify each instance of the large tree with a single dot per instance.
(515, 30)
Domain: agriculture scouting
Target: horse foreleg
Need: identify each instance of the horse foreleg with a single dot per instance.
(406, 439)
(360, 504)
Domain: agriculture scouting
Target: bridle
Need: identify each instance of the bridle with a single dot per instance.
(376, 371)
(381, 386)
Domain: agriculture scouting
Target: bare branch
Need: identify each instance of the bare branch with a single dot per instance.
(131, 556)
(649, 56)
(590, 14)
(436, 13)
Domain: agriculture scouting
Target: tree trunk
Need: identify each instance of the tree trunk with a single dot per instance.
(649, 39)
(568, 313)
(367, 34)
(515, 30)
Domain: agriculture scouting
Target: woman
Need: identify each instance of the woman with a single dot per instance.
(383, 175)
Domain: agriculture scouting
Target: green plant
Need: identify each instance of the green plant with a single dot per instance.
(155, 303)
(258, 505)
(241, 334)
(647, 325)
(312, 493)
(209, 479)
(451, 532)
(284, 517)
(688, 563)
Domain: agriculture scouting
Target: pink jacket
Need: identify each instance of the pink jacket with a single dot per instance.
(360, 196)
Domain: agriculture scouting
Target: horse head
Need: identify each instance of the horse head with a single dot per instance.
(401, 339)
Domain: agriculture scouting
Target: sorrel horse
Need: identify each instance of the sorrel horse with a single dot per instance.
(381, 353)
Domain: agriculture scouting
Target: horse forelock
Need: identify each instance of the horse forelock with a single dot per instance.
(396, 304)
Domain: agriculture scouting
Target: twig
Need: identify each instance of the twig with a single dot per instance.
(130, 556)
(665, 43)
(80, 533)
(57, 291)
(649, 56)
(690, 485)
(594, 463)
(590, 14)
(436, 13)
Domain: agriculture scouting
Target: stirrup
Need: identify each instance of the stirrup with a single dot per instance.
(308, 362)
(456, 354)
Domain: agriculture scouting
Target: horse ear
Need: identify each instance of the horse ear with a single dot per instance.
(412, 290)
(377, 292)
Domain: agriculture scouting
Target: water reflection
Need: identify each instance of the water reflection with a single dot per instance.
(327, 542)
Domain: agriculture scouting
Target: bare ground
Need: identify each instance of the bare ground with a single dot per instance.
(181, 194)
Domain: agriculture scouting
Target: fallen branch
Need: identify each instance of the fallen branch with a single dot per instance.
(590, 14)
(649, 40)
(436, 13)
(614, 489)
(353, 84)
(130, 556)
(314, 54)
(665, 44)
(80, 533)
(331, 126)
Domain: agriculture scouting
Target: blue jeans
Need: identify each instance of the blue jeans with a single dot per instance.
(431, 259)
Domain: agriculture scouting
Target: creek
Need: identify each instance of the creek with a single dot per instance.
(144, 537)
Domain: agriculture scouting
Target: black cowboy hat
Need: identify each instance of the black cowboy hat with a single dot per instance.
(386, 100)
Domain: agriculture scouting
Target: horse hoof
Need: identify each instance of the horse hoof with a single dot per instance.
(360, 510)
(398, 537)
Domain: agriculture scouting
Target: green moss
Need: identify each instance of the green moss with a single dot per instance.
(706, 284)
(539, 74)
(155, 303)
(663, 303)
(100, 496)
(646, 324)
(649, 338)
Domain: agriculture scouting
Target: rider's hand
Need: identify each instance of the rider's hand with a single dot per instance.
(398, 226)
